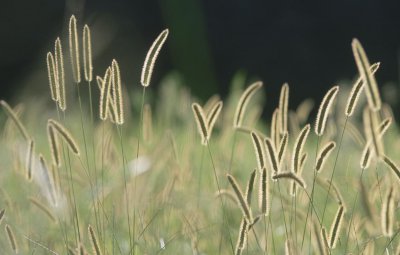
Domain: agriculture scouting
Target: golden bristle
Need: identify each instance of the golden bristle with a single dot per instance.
(324, 110)
(59, 62)
(243, 102)
(363, 65)
(52, 76)
(74, 49)
(151, 57)
(202, 125)
(87, 54)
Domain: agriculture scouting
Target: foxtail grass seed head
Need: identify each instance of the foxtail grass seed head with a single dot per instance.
(87, 54)
(2, 212)
(29, 159)
(298, 148)
(93, 239)
(65, 135)
(250, 185)
(212, 116)
(117, 92)
(272, 156)
(372, 129)
(242, 238)
(202, 125)
(214, 99)
(59, 62)
(363, 65)
(43, 208)
(303, 161)
(53, 142)
(243, 102)
(263, 196)
(105, 94)
(151, 57)
(387, 214)
(48, 179)
(282, 147)
(74, 49)
(100, 82)
(283, 108)
(290, 175)
(324, 110)
(275, 128)
(259, 150)
(11, 114)
(246, 210)
(325, 241)
(336, 227)
(227, 193)
(384, 126)
(52, 75)
(324, 154)
(365, 160)
(392, 166)
(356, 91)
(11, 239)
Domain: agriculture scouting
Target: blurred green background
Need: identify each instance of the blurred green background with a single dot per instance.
(304, 43)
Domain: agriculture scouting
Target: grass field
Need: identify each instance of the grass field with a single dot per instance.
(111, 168)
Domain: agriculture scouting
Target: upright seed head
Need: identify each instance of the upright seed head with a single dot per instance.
(243, 102)
(151, 57)
(363, 65)
(283, 108)
(52, 75)
(87, 54)
(324, 109)
(59, 63)
(74, 49)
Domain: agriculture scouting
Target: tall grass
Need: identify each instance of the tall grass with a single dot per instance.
(140, 181)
